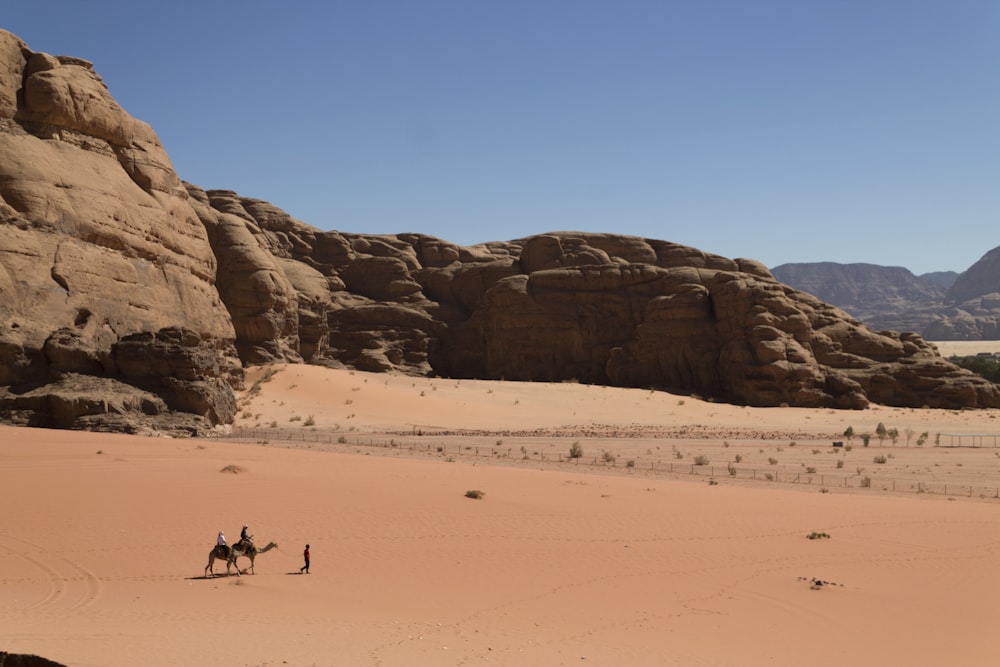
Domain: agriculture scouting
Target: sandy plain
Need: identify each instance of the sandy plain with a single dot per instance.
(645, 550)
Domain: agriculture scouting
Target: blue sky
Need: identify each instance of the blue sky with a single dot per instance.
(781, 130)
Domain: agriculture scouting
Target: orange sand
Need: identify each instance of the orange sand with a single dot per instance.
(104, 538)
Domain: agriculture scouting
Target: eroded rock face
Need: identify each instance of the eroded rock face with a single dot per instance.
(98, 237)
(597, 308)
(129, 299)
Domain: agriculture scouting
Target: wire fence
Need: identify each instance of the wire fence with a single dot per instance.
(456, 448)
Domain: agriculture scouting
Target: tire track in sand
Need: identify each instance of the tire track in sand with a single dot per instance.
(69, 586)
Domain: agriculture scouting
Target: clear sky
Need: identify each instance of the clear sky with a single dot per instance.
(781, 130)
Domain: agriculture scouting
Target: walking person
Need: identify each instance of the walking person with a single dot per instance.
(305, 556)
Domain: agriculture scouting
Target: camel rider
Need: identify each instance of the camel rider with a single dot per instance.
(245, 537)
(220, 541)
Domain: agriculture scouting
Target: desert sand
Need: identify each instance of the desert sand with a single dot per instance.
(592, 560)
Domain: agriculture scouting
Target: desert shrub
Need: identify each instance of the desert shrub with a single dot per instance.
(630, 463)
(840, 463)
(731, 469)
(810, 470)
(818, 536)
(921, 439)
(474, 493)
(987, 367)
(575, 450)
(880, 459)
(701, 460)
(773, 461)
(608, 457)
(342, 440)
(295, 418)
(849, 433)
(234, 469)
(310, 421)
(866, 482)
(738, 458)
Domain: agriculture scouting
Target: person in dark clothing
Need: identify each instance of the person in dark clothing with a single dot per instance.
(305, 556)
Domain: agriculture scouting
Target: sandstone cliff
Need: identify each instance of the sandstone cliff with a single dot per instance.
(98, 244)
(132, 300)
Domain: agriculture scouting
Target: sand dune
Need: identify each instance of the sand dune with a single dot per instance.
(105, 538)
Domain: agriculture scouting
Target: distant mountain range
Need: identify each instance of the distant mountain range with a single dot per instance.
(939, 306)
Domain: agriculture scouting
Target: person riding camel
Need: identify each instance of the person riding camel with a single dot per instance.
(246, 539)
(220, 541)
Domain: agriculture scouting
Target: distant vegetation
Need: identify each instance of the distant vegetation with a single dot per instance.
(987, 367)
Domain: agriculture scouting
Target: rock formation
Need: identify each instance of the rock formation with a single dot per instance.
(130, 300)
(99, 243)
(26, 660)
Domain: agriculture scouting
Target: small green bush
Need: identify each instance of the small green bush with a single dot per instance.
(474, 493)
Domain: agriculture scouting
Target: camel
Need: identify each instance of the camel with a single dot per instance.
(234, 552)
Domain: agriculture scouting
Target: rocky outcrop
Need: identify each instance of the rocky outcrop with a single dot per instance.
(26, 660)
(598, 308)
(130, 300)
(98, 242)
